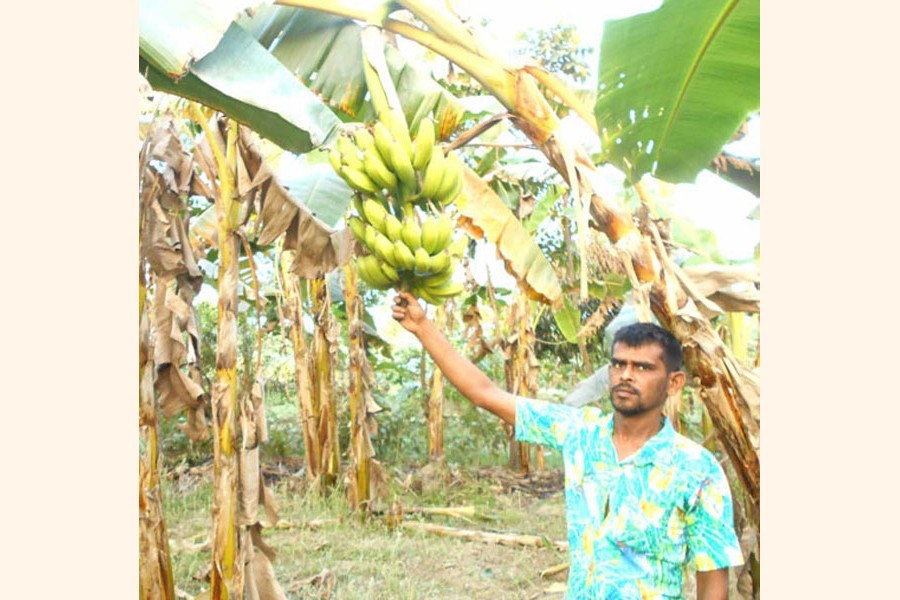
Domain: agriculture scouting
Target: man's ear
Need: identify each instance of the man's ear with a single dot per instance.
(677, 380)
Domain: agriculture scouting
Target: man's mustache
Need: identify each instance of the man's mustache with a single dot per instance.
(625, 386)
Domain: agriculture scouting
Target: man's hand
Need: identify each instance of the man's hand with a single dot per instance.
(408, 312)
(459, 370)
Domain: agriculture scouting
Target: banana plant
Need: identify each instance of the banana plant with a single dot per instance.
(724, 32)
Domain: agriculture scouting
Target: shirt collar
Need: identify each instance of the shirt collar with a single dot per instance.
(657, 449)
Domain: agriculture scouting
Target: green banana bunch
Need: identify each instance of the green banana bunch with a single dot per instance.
(373, 163)
(434, 172)
(392, 175)
(374, 213)
(436, 233)
(423, 145)
(451, 181)
(375, 273)
(411, 234)
(345, 159)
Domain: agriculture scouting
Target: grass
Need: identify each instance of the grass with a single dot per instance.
(370, 560)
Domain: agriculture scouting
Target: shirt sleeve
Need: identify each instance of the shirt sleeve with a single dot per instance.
(544, 423)
(711, 540)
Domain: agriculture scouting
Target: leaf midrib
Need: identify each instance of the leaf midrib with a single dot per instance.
(695, 64)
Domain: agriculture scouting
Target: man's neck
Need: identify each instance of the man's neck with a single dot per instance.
(631, 432)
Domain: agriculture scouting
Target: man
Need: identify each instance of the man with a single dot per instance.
(642, 501)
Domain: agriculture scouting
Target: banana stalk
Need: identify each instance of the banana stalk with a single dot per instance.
(382, 92)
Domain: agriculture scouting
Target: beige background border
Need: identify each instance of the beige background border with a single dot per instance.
(829, 311)
(69, 441)
(69, 436)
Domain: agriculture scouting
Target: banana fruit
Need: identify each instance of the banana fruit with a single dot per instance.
(403, 186)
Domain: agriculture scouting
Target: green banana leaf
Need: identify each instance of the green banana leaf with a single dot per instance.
(238, 77)
(568, 319)
(318, 188)
(325, 52)
(675, 84)
(173, 33)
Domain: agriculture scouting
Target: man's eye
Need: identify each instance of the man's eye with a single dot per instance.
(642, 367)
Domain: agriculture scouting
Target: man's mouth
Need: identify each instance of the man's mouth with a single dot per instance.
(625, 391)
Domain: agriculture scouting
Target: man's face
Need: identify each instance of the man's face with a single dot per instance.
(638, 379)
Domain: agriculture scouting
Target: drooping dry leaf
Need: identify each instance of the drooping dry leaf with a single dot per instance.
(601, 317)
(177, 382)
(714, 278)
(734, 288)
(314, 254)
(259, 543)
(278, 212)
(269, 502)
(483, 214)
(736, 301)
(248, 513)
(260, 583)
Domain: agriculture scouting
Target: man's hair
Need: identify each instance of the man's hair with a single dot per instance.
(641, 334)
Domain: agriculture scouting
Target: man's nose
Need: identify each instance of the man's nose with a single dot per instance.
(627, 372)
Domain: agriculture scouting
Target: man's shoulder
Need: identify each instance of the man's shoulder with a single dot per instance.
(691, 455)
(587, 414)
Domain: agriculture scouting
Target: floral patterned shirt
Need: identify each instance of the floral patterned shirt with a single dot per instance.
(633, 525)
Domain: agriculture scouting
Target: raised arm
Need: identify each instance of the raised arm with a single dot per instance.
(459, 370)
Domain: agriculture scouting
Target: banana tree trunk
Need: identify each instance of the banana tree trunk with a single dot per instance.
(520, 368)
(156, 562)
(361, 450)
(729, 390)
(435, 411)
(229, 542)
(324, 348)
(169, 340)
(291, 284)
(530, 367)
(239, 490)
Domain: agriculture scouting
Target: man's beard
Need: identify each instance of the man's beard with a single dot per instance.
(635, 408)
